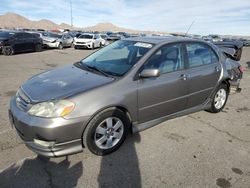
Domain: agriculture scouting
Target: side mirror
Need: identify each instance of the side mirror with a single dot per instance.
(150, 73)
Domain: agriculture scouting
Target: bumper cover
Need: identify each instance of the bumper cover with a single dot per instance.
(86, 45)
(51, 44)
(65, 133)
(58, 150)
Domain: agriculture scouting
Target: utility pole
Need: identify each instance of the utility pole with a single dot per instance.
(71, 17)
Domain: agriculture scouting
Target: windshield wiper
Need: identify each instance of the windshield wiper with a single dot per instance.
(98, 70)
(91, 68)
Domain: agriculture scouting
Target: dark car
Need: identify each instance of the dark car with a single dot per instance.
(114, 37)
(129, 85)
(12, 42)
(246, 42)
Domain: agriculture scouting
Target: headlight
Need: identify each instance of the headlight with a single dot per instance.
(52, 109)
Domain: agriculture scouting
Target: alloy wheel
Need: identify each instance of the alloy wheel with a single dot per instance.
(108, 133)
(220, 98)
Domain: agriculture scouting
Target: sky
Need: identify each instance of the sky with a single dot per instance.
(228, 17)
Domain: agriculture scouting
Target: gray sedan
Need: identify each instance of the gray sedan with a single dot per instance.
(129, 85)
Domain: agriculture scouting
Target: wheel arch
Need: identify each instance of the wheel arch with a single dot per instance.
(226, 82)
(107, 108)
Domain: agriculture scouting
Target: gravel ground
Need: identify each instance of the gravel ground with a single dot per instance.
(198, 150)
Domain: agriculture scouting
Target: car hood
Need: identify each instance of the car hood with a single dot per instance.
(50, 39)
(3, 38)
(62, 83)
(83, 40)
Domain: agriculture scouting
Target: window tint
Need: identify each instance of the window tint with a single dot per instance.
(167, 59)
(27, 35)
(118, 57)
(19, 35)
(199, 54)
(85, 36)
(35, 35)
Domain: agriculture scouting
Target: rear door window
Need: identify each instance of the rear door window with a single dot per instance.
(199, 54)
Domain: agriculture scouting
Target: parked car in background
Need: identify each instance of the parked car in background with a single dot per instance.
(129, 85)
(104, 39)
(246, 42)
(88, 40)
(54, 40)
(206, 38)
(114, 37)
(215, 38)
(12, 42)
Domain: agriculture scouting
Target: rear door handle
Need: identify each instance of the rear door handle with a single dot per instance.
(183, 77)
(217, 68)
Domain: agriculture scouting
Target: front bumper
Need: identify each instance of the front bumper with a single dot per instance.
(66, 134)
(81, 45)
(51, 44)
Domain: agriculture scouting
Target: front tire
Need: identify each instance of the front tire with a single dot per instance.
(8, 50)
(60, 46)
(219, 99)
(93, 46)
(106, 132)
(38, 48)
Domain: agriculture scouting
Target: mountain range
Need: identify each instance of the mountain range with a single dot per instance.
(13, 20)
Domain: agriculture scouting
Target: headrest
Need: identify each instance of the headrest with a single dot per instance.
(170, 53)
(201, 51)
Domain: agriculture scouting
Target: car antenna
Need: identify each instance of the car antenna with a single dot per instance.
(189, 28)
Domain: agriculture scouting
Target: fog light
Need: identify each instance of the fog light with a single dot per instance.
(44, 143)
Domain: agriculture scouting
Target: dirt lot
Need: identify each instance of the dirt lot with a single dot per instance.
(198, 150)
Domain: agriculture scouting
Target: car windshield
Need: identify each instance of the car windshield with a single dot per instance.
(114, 35)
(6, 34)
(85, 36)
(56, 35)
(117, 58)
(103, 36)
(53, 35)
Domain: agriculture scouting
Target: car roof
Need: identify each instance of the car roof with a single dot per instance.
(88, 34)
(10, 31)
(160, 39)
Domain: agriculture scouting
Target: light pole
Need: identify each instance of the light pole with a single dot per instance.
(71, 17)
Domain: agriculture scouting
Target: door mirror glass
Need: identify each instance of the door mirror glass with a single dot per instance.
(149, 73)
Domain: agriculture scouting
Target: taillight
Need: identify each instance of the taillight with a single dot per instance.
(241, 68)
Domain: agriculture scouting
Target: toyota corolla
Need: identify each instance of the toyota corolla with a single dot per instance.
(129, 85)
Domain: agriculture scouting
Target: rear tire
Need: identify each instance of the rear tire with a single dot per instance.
(106, 132)
(219, 99)
(8, 50)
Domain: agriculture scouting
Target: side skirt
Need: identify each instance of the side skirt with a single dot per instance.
(137, 127)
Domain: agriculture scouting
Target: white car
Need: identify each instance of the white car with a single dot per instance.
(54, 40)
(104, 39)
(88, 40)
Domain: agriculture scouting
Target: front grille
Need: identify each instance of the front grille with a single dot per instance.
(22, 101)
(80, 42)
